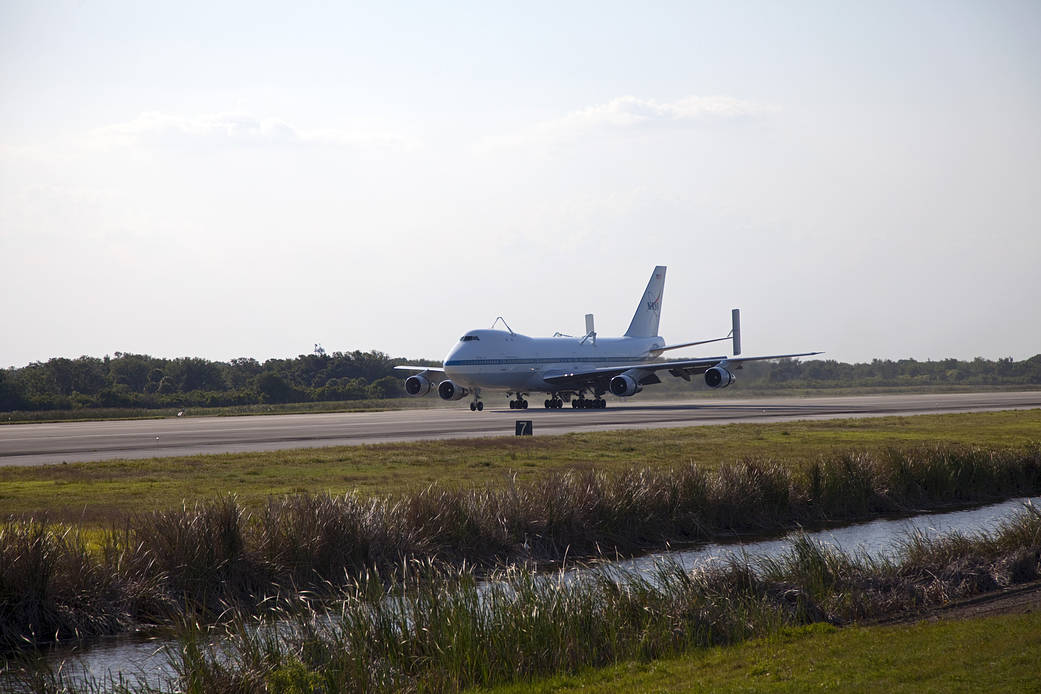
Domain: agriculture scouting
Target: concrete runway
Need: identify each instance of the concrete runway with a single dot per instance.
(39, 444)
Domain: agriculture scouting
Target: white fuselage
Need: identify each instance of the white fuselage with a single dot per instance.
(501, 360)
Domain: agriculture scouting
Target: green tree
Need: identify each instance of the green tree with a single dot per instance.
(240, 372)
(273, 388)
(190, 373)
(386, 387)
(132, 371)
(10, 396)
(85, 375)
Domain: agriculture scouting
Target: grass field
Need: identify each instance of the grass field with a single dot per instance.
(95, 492)
(997, 654)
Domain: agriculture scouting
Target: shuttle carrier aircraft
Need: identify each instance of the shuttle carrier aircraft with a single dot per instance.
(567, 368)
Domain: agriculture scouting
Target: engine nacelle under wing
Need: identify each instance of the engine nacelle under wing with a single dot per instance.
(446, 390)
(625, 385)
(417, 385)
(718, 377)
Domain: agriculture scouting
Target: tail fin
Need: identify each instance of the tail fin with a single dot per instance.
(648, 312)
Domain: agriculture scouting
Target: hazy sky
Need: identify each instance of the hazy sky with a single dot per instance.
(247, 179)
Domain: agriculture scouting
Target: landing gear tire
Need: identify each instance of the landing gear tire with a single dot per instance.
(473, 407)
(480, 406)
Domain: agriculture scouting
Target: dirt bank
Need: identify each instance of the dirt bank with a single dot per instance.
(1018, 599)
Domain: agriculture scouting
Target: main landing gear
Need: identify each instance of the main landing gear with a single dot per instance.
(520, 403)
(582, 404)
(597, 403)
(554, 403)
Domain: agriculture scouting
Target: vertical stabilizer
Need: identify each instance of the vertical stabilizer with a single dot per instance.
(648, 312)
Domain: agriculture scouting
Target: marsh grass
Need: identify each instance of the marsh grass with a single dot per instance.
(434, 628)
(438, 629)
(52, 588)
(210, 558)
(425, 626)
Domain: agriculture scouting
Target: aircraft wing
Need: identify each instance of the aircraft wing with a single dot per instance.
(420, 369)
(645, 373)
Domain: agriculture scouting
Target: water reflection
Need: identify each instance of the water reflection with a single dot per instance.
(878, 538)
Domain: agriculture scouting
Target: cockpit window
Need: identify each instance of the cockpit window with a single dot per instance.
(468, 338)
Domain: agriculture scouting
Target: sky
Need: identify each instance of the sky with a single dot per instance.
(247, 179)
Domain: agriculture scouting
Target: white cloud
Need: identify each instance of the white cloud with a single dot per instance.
(236, 130)
(631, 111)
(634, 114)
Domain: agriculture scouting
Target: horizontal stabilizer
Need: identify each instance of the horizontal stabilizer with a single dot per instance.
(691, 344)
(735, 335)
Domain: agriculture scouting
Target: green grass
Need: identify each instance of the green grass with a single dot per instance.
(91, 492)
(996, 654)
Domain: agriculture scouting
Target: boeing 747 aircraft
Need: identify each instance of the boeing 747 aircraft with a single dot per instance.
(567, 368)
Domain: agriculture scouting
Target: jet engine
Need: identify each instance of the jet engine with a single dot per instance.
(625, 385)
(718, 377)
(417, 385)
(446, 390)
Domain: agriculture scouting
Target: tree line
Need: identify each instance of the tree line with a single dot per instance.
(886, 373)
(142, 381)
